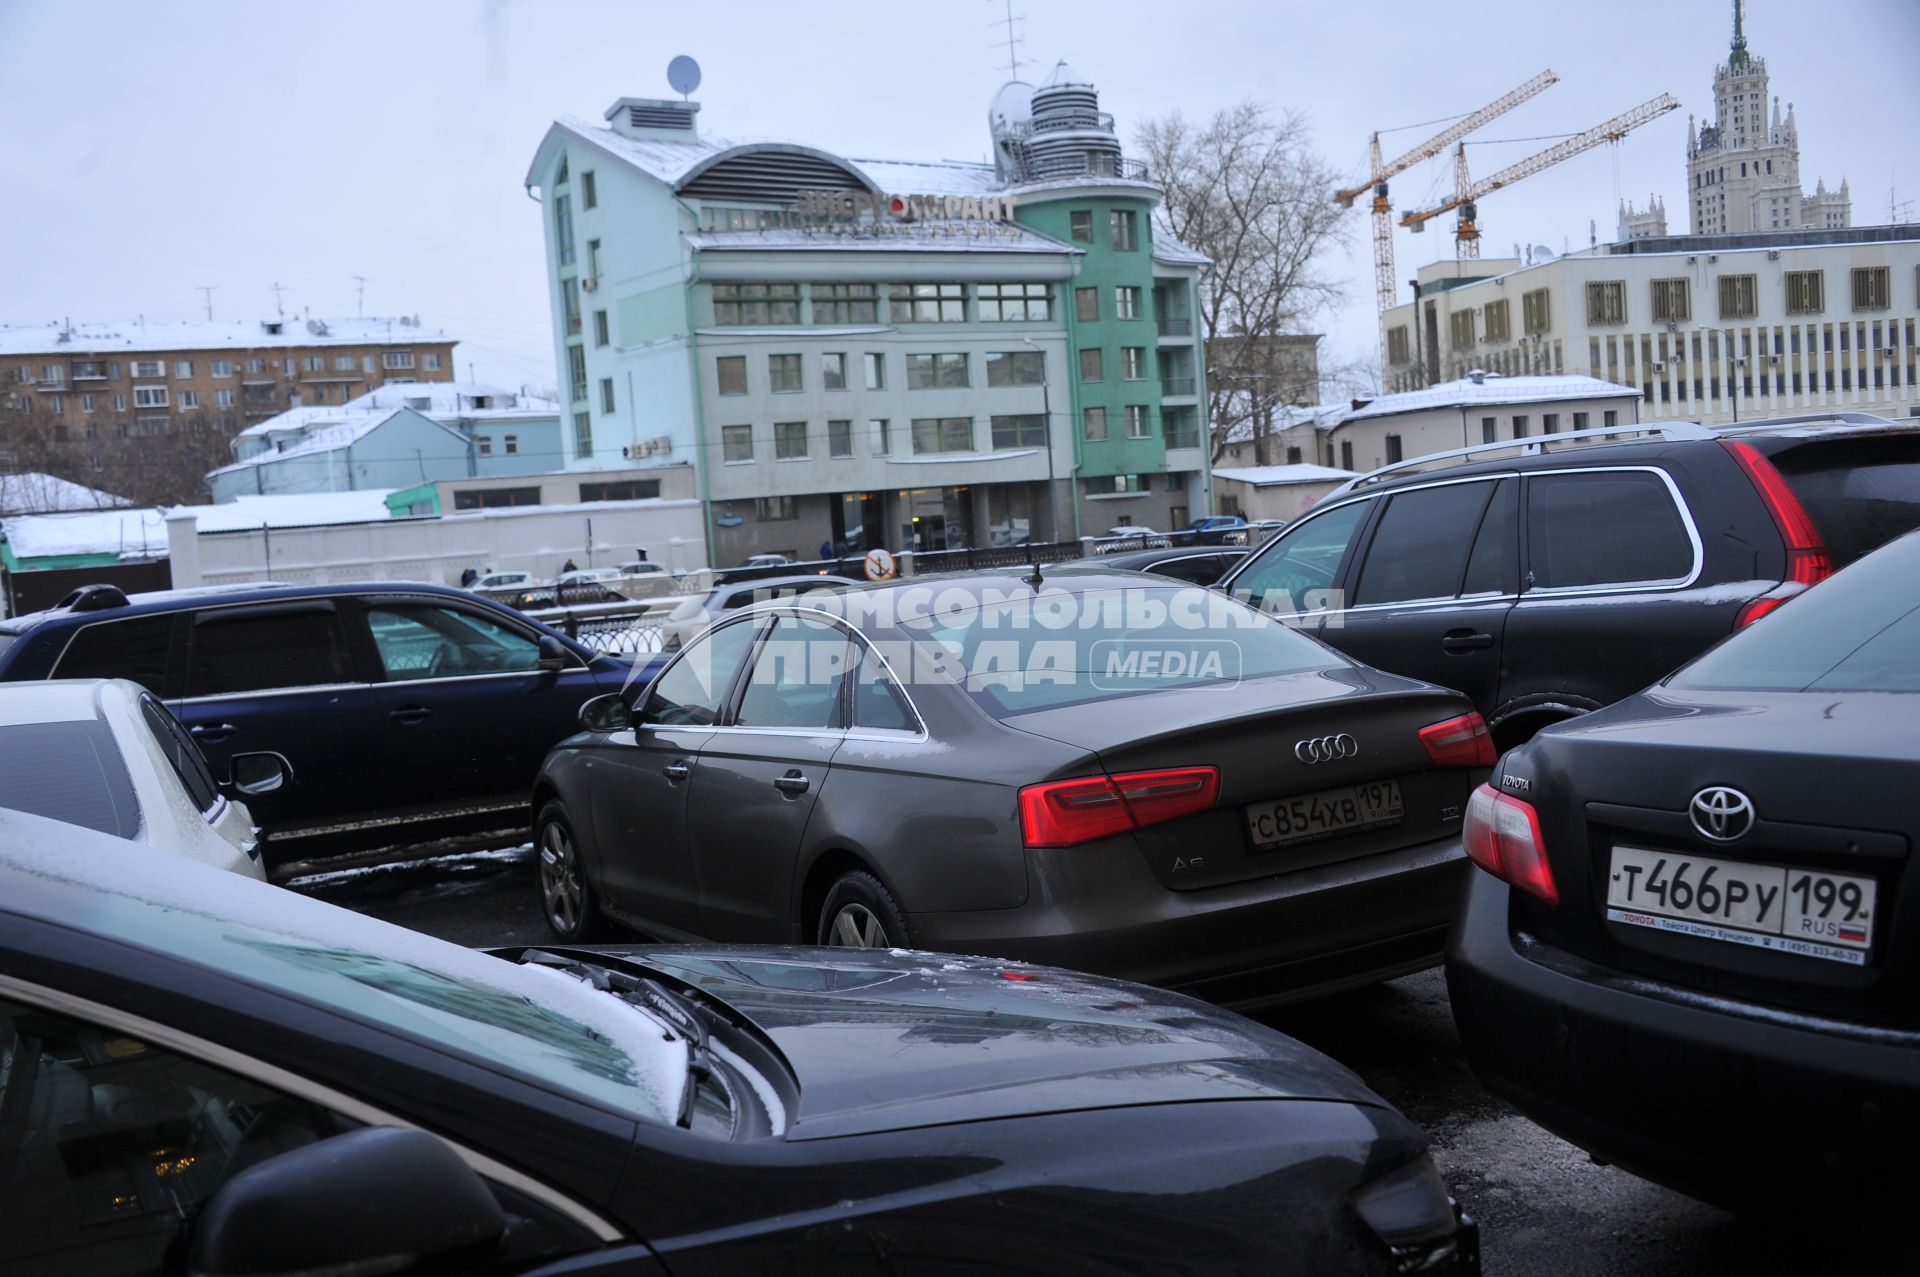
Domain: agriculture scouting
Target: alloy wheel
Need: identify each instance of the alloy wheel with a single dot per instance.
(856, 927)
(560, 886)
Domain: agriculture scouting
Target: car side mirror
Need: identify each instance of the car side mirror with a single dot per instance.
(258, 773)
(553, 653)
(350, 1204)
(608, 713)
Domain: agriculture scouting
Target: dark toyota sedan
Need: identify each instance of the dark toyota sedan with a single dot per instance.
(205, 1074)
(1113, 773)
(1697, 951)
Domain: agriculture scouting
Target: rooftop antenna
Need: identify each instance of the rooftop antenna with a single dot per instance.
(1012, 43)
(207, 291)
(683, 73)
(360, 299)
(278, 309)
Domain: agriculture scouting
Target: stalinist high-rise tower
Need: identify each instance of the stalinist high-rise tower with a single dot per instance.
(1743, 167)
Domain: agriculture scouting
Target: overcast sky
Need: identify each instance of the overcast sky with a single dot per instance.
(151, 148)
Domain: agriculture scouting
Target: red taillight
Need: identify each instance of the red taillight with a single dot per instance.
(1460, 742)
(1757, 609)
(1064, 813)
(1808, 562)
(1502, 835)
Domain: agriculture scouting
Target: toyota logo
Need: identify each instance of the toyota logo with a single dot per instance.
(1320, 749)
(1720, 813)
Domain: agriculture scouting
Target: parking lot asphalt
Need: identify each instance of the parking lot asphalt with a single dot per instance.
(1543, 1205)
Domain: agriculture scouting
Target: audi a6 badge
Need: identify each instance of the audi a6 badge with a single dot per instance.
(1321, 749)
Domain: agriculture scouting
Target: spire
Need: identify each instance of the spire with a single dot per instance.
(1738, 60)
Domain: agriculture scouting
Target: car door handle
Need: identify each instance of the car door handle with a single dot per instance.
(212, 731)
(791, 783)
(676, 771)
(411, 713)
(1465, 640)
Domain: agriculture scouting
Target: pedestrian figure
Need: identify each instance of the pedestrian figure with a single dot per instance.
(468, 577)
(826, 549)
(570, 566)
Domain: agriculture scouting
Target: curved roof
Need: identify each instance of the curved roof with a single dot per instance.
(1064, 75)
(678, 163)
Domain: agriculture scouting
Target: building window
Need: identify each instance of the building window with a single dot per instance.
(1092, 366)
(775, 509)
(1535, 314)
(1580, 421)
(1000, 303)
(221, 368)
(1737, 294)
(182, 368)
(1122, 230)
(1028, 430)
(577, 373)
(876, 366)
(1080, 225)
(1610, 418)
(601, 334)
(846, 304)
(1397, 347)
(1489, 430)
(1549, 423)
(149, 368)
(1671, 302)
(188, 399)
(1393, 449)
(606, 395)
(149, 396)
(396, 359)
(431, 362)
(57, 404)
(583, 434)
(513, 445)
(882, 432)
(731, 372)
(1497, 321)
(119, 402)
(1126, 302)
(313, 363)
(784, 374)
(736, 443)
(1133, 363)
(1872, 287)
(488, 498)
(1139, 421)
(483, 444)
(928, 303)
(942, 434)
(621, 490)
(1094, 420)
(839, 438)
(1293, 456)
(1806, 292)
(1086, 305)
(1520, 427)
(86, 402)
(1016, 368)
(1607, 301)
(936, 372)
(589, 190)
(740, 304)
(570, 305)
(1460, 327)
(789, 440)
(833, 370)
(563, 229)
(343, 363)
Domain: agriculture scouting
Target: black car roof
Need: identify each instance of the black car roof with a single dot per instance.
(164, 601)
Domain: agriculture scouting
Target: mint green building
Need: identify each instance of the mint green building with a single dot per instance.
(861, 353)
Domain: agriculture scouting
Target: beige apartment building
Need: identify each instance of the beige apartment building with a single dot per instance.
(145, 409)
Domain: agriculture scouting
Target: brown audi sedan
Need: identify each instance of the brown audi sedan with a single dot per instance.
(1096, 770)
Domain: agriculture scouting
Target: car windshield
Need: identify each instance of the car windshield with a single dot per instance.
(69, 771)
(1054, 647)
(536, 1024)
(1859, 632)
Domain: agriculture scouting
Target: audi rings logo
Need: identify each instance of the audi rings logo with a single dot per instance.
(1321, 749)
(1720, 813)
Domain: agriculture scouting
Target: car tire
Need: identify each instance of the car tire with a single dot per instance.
(566, 898)
(860, 913)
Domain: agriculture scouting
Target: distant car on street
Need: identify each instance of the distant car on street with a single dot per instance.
(1197, 565)
(105, 754)
(765, 561)
(213, 1076)
(1217, 529)
(406, 713)
(1695, 948)
(505, 581)
(691, 617)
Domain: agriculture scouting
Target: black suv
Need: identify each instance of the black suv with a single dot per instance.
(1546, 580)
(406, 712)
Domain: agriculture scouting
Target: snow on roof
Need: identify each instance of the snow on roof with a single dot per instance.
(917, 237)
(131, 534)
(202, 334)
(1275, 476)
(669, 162)
(1324, 416)
(444, 401)
(38, 493)
(288, 510)
(931, 177)
(1494, 390)
(1168, 249)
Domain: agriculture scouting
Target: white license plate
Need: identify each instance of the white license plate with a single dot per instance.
(1305, 817)
(1804, 911)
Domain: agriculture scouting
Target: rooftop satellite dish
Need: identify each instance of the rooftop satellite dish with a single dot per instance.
(1541, 253)
(683, 73)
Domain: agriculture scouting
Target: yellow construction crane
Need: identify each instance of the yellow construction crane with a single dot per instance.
(1378, 173)
(1467, 192)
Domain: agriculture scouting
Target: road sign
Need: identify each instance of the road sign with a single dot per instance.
(879, 565)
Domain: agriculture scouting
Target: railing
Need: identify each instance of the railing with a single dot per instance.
(1082, 165)
(1176, 385)
(1174, 325)
(1183, 436)
(617, 629)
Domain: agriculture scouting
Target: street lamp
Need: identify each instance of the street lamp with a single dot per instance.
(1046, 433)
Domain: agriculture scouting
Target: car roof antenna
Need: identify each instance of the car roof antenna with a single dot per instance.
(1033, 576)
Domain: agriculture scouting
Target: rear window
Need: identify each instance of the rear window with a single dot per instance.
(1055, 647)
(260, 649)
(1860, 493)
(71, 772)
(1859, 632)
(134, 648)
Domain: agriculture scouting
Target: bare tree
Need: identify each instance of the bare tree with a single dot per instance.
(1247, 189)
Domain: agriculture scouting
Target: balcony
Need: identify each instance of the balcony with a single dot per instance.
(1183, 436)
(1174, 325)
(1174, 386)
